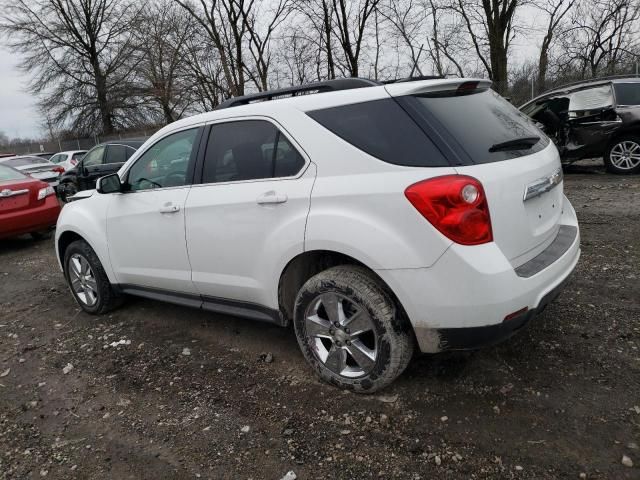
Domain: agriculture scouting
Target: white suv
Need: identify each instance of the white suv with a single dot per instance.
(374, 218)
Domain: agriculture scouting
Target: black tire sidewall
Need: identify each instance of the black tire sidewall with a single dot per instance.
(607, 157)
(104, 288)
(382, 318)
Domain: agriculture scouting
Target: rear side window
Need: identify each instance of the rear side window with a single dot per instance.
(480, 123)
(627, 93)
(382, 129)
(117, 154)
(249, 150)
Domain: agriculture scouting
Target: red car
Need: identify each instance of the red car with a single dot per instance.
(27, 205)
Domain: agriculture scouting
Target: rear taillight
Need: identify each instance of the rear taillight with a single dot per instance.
(58, 169)
(45, 192)
(456, 205)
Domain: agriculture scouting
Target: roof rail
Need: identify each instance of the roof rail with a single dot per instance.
(306, 89)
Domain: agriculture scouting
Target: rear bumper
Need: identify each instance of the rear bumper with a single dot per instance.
(462, 300)
(35, 219)
(477, 337)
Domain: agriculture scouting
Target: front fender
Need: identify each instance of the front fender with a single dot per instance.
(87, 218)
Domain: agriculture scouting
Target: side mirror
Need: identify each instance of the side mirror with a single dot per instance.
(109, 184)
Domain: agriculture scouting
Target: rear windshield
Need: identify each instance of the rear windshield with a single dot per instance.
(7, 173)
(382, 129)
(627, 93)
(478, 122)
(25, 161)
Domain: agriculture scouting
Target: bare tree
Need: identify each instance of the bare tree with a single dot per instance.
(78, 53)
(350, 27)
(491, 29)
(162, 39)
(224, 25)
(556, 11)
(602, 37)
(260, 27)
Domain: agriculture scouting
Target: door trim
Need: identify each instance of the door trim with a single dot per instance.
(224, 306)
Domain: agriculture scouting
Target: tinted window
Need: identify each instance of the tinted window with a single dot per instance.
(25, 161)
(165, 164)
(78, 156)
(57, 158)
(480, 120)
(7, 173)
(627, 93)
(248, 150)
(382, 129)
(116, 154)
(94, 157)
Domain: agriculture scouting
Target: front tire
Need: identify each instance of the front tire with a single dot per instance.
(350, 330)
(87, 279)
(623, 156)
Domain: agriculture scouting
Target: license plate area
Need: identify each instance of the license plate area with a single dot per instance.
(8, 204)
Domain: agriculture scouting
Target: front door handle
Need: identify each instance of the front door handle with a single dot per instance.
(169, 208)
(270, 198)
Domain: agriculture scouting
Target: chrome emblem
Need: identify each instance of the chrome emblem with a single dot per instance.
(543, 185)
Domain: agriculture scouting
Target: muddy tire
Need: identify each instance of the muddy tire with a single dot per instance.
(350, 330)
(623, 155)
(87, 279)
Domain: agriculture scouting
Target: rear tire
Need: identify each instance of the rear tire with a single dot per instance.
(350, 330)
(88, 281)
(623, 155)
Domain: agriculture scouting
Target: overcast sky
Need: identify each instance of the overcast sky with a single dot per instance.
(18, 115)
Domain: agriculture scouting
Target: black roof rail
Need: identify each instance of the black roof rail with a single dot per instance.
(306, 89)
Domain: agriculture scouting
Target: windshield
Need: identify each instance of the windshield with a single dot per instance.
(627, 93)
(481, 121)
(25, 161)
(7, 173)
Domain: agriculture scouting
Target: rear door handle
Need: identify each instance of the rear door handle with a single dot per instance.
(169, 208)
(270, 198)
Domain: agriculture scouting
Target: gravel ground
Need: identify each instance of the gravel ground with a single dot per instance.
(159, 391)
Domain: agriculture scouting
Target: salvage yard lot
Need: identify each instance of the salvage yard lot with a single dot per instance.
(160, 391)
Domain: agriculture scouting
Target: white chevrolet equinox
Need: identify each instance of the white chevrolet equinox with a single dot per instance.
(376, 219)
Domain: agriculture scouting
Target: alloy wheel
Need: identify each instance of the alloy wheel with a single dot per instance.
(341, 334)
(625, 155)
(83, 281)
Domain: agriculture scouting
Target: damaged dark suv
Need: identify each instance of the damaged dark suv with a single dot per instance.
(596, 118)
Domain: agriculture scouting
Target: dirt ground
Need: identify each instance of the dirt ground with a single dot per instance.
(189, 394)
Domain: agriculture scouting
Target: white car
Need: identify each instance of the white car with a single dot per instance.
(35, 167)
(69, 159)
(376, 219)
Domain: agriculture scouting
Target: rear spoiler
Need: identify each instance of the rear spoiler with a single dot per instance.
(431, 86)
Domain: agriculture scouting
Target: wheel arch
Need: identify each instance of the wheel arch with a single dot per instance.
(309, 263)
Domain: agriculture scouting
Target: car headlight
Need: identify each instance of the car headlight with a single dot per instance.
(45, 192)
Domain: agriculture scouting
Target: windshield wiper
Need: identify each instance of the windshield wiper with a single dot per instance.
(515, 144)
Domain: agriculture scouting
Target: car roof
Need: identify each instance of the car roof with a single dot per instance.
(319, 100)
(582, 84)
